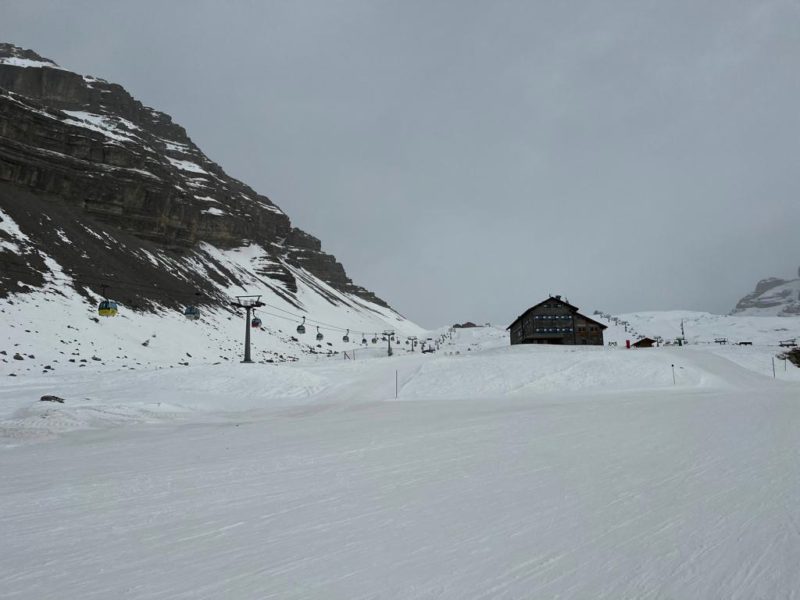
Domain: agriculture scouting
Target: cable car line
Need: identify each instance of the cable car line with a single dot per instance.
(191, 311)
(127, 283)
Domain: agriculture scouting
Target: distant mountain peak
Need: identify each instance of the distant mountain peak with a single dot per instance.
(773, 296)
(20, 57)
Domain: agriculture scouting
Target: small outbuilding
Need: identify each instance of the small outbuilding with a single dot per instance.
(555, 321)
(645, 342)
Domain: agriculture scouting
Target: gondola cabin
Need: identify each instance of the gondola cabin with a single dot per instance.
(555, 321)
(107, 308)
(192, 313)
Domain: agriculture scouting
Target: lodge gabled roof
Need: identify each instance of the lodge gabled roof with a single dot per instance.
(558, 299)
(593, 321)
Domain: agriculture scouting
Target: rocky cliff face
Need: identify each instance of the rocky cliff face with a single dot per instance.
(772, 296)
(105, 183)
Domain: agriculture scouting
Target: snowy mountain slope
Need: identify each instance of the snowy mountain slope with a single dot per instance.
(772, 297)
(77, 148)
(54, 328)
(97, 190)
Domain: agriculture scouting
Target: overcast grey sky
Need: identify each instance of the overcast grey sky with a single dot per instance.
(464, 159)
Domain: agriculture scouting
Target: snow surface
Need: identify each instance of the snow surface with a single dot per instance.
(704, 328)
(16, 61)
(216, 212)
(329, 470)
(525, 472)
(117, 128)
(175, 146)
(185, 165)
(10, 229)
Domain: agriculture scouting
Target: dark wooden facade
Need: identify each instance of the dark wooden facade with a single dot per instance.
(645, 342)
(555, 321)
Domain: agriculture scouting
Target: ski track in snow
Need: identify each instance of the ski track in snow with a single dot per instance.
(500, 473)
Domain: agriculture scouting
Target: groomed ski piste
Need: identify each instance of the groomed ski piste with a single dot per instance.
(479, 471)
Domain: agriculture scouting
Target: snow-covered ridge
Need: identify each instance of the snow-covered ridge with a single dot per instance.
(15, 61)
(772, 297)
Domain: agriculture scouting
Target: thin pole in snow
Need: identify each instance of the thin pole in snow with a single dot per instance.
(395, 384)
(773, 367)
(673, 375)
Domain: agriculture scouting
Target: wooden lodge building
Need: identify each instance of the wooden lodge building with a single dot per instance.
(555, 321)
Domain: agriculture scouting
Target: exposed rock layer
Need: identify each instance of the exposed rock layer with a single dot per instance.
(81, 148)
(772, 296)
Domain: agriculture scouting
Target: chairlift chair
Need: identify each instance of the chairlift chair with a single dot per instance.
(346, 337)
(319, 334)
(301, 329)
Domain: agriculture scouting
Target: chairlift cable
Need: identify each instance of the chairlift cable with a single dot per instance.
(89, 282)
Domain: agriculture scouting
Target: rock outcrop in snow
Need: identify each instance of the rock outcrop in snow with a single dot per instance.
(772, 297)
